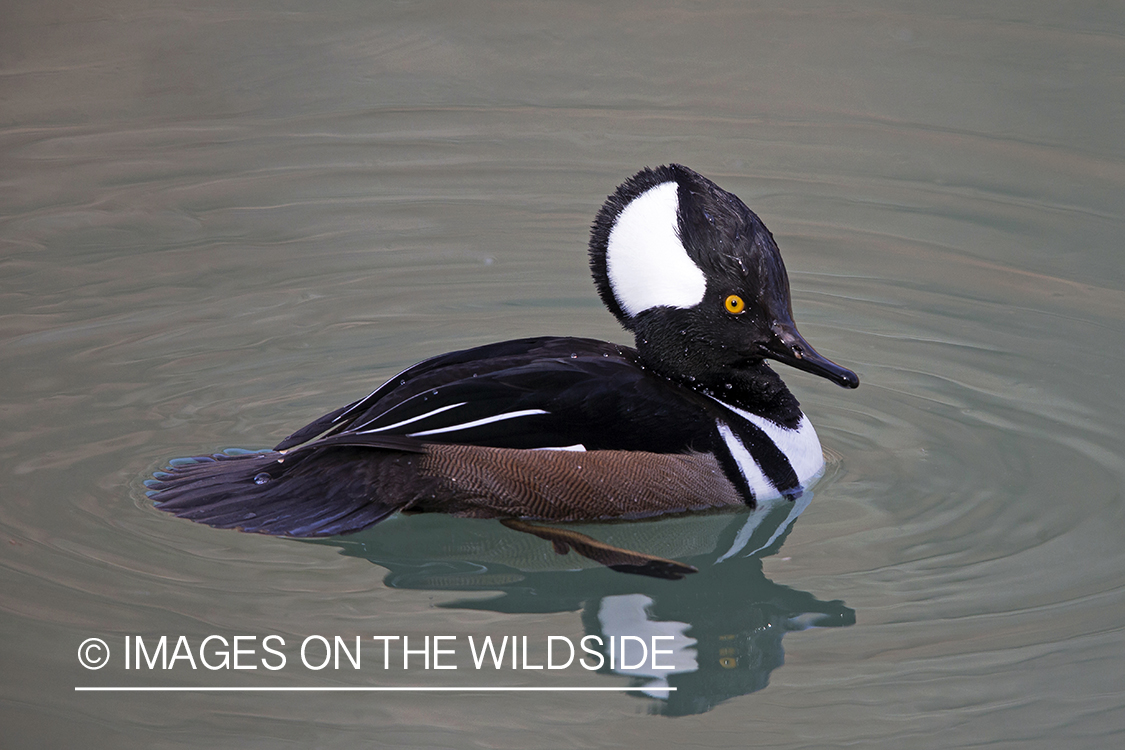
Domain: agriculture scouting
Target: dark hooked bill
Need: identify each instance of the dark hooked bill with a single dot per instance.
(789, 347)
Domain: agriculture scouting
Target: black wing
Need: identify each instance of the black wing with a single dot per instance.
(529, 393)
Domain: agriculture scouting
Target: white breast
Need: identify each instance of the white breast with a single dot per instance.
(801, 446)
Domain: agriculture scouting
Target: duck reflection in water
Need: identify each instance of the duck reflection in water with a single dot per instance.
(726, 622)
(554, 430)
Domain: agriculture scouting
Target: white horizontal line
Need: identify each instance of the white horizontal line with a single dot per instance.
(420, 417)
(382, 689)
(479, 422)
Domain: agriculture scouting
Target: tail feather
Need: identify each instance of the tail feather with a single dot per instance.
(319, 492)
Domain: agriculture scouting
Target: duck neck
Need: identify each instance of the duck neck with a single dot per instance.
(758, 389)
(753, 386)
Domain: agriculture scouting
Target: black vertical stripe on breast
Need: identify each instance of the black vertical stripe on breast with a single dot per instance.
(775, 465)
(731, 468)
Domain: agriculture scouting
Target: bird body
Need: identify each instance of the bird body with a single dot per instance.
(562, 428)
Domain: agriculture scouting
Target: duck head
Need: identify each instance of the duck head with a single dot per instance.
(698, 279)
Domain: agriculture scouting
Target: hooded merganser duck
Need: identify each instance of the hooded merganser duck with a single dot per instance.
(561, 428)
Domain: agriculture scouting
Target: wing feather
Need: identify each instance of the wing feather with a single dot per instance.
(529, 393)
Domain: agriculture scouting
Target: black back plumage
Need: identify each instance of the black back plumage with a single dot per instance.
(592, 393)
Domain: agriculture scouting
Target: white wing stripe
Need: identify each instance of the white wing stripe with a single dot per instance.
(412, 419)
(479, 422)
(347, 412)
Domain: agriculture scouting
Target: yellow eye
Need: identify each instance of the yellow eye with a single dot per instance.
(734, 304)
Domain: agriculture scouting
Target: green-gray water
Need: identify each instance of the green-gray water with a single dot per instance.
(221, 220)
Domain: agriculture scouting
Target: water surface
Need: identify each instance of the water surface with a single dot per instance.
(220, 222)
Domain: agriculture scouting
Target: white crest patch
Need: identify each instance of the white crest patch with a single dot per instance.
(645, 259)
